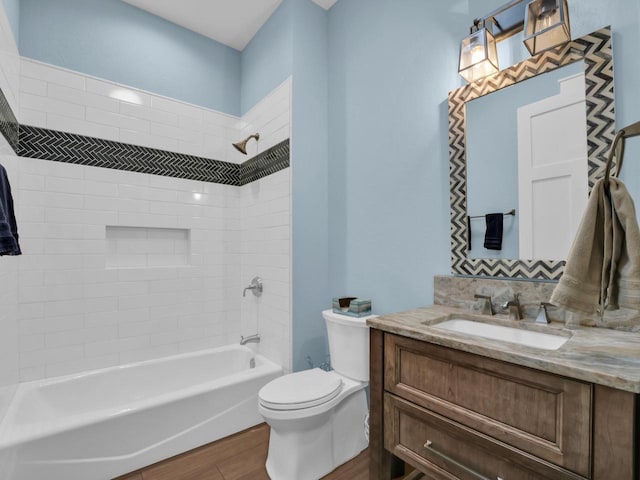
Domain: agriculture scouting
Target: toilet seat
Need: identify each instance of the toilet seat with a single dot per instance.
(300, 390)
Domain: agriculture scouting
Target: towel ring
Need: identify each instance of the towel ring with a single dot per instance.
(618, 150)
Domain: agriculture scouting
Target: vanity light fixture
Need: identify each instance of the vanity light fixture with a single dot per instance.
(478, 54)
(546, 25)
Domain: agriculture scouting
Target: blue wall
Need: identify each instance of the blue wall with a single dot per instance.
(623, 16)
(267, 60)
(391, 67)
(12, 7)
(310, 183)
(116, 41)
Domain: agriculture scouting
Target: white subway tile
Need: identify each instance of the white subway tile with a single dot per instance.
(151, 114)
(120, 92)
(115, 346)
(81, 365)
(64, 185)
(174, 132)
(33, 86)
(100, 188)
(51, 105)
(33, 118)
(145, 139)
(176, 107)
(51, 74)
(31, 342)
(100, 203)
(48, 356)
(80, 97)
(117, 120)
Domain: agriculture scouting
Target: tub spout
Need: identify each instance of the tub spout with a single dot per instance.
(252, 338)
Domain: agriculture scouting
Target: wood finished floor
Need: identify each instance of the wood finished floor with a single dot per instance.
(238, 457)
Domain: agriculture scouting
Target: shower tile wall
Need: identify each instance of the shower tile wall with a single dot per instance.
(9, 83)
(265, 212)
(74, 312)
(265, 249)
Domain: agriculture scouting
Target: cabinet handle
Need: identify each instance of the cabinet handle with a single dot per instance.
(429, 447)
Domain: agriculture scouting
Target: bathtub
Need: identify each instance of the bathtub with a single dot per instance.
(105, 423)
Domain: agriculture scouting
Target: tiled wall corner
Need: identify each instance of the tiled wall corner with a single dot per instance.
(266, 252)
(271, 118)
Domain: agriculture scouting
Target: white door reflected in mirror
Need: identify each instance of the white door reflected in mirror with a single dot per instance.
(553, 185)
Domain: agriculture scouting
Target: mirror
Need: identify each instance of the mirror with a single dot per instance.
(487, 147)
(527, 154)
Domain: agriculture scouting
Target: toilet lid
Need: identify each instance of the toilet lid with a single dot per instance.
(300, 390)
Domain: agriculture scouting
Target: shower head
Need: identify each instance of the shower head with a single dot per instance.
(242, 146)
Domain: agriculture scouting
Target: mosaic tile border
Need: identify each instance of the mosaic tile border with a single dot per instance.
(8, 122)
(65, 147)
(595, 50)
(266, 163)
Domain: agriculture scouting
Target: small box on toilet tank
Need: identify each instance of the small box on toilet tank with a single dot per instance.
(352, 306)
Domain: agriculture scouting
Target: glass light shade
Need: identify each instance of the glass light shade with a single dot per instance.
(546, 25)
(478, 56)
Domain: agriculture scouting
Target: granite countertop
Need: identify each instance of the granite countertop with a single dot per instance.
(596, 355)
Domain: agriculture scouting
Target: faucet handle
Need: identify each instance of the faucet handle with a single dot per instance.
(542, 317)
(487, 308)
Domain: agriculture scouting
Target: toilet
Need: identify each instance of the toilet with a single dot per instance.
(317, 418)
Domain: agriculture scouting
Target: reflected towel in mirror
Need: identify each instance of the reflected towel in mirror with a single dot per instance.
(493, 234)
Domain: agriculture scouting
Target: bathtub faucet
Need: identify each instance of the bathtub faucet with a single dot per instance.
(252, 338)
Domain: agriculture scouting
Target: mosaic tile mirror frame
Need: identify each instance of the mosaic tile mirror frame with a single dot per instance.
(595, 50)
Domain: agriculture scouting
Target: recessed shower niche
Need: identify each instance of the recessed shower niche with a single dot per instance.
(143, 247)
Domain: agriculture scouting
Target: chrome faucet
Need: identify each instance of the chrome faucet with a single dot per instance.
(487, 307)
(255, 287)
(514, 307)
(250, 339)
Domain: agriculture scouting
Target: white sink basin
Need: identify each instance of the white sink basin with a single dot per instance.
(545, 341)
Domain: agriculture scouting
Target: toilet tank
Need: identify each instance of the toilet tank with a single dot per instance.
(348, 345)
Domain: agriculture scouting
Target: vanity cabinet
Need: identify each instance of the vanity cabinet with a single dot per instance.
(460, 416)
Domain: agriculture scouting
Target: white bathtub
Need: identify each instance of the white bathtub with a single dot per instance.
(105, 423)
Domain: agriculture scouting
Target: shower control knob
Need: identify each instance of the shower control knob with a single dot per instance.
(255, 287)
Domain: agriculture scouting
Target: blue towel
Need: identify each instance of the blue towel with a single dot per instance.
(493, 234)
(8, 228)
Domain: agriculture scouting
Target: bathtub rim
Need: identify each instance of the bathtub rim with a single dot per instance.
(12, 435)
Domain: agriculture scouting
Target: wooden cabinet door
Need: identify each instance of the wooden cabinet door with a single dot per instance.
(542, 414)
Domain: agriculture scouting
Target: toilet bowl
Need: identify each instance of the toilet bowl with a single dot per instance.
(317, 418)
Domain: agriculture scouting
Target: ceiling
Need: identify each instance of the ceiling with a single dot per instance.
(231, 22)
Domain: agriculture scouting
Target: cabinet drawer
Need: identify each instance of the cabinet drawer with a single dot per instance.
(446, 450)
(543, 414)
